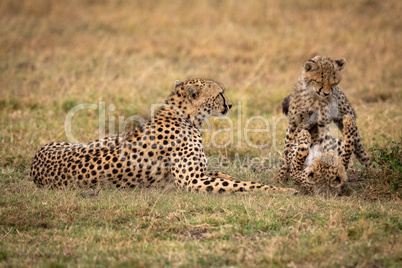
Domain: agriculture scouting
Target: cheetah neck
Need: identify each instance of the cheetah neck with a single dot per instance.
(181, 105)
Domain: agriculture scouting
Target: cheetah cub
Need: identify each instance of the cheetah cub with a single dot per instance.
(317, 98)
(322, 169)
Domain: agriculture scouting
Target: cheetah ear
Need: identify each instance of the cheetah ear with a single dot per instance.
(337, 182)
(310, 65)
(341, 63)
(285, 105)
(178, 83)
(192, 91)
(310, 178)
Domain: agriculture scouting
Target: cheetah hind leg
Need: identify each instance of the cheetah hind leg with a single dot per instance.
(349, 135)
(360, 153)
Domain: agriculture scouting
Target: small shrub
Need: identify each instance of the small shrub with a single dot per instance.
(389, 160)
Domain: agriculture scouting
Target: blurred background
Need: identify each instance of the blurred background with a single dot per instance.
(55, 55)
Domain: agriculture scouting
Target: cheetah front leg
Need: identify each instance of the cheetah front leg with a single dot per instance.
(220, 175)
(304, 142)
(291, 132)
(192, 175)
(321, 125)
(284, 167)
(302, 151)
(283, 170)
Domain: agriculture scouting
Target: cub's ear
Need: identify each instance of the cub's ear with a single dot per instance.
(192, 91)
(311, 64)
(310, 178)
(337, 182)
(341, 63)
(177, 83)
(316, 58)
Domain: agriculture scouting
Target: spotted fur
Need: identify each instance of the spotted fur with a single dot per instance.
(166, 150)
(322, 169)
(316, 101)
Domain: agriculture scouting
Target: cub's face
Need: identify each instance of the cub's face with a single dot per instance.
(327, 174)
(207, 96)
(321, 75)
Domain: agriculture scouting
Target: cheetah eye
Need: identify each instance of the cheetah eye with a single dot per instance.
(316, 83)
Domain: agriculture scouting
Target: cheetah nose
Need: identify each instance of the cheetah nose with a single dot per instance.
(326, 94)
(230, 106)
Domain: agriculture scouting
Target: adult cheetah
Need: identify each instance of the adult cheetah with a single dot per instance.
(165, 150)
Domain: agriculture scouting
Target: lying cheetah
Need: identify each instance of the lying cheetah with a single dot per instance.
(165, 150)
(317, 97)
(322, 169)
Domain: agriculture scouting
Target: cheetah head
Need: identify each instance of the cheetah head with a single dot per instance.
(203, 97)
(327, 174)
(321, 75)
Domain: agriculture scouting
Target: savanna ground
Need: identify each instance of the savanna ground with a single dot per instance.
(55, 55)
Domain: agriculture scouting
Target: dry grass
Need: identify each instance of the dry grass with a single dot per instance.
(156, 228)
(57, 54)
